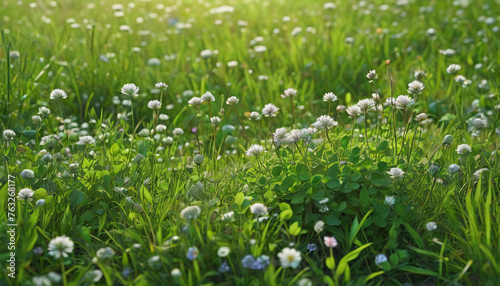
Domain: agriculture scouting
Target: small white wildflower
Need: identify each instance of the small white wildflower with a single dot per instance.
(430, 226)
(191, 212)
(161, 86)
(325, 122)
(415, 87)
(390, 200)
(289, 257)
(58, 94)
(371, 75)
(130, 89)
(207, 97)
(289, 92)
(254, 115)
(86, 140)
(195, 101)
(366, 104)
(464, 149)
(154, 104)
(353, 110)
(233, 100)
(214, 121)
(178, 132)
(25, 194)
(453, 68)
(9, 134)
(319, 226)
(404, 102)
(380, 258)
(258, 209)
(396, 173)
(329, 97)
(269, 110)
(60, 246)
(223, 251)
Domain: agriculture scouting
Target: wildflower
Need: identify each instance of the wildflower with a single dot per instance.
(192, 253)
(154, 104)
(354, 110)
(9, 134)
(312, 247)
(453, 68)
(43, 111)
(366, 104)
(433, 169)
(279, 136)
(324, 122)
(479, 123)
(130, 89)
(105, 253)
(250, 262)
(58, 94)
(191, 212)
(453, 168)
(460, 79)
(258, 209)
(404, 102)
(329, 97)
(390, 200)
(27, 174)
(463, 149)
(14, 54)
(86, 140)
(154, 261)
(176, 273)
(207, 97)
(270, 110)
(319, 226)
(25, 194)
(380, 258)
(294, 136)
(232, 64)
(371, 75)
(391, 101)
(289, 257)
(341, 108)
(307, 281)
(254, 150)
(430, 226)
(178, 132)
(228, 216)
(160, 128)
(60, 246)
(289, 92)
(92, 276)
(396, 173)
(419, 74)
(233, 100)
(254, 115)
(448, 139)
(421, 117)
(214, 121)
(330, 241)
(224, 267)
(223, 251)
(161, 86)
(478, 173)
(195, 101)
(206, 54)
(36, 119)
(415, 87)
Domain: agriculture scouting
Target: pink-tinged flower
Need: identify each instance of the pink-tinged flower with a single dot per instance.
(330, 241)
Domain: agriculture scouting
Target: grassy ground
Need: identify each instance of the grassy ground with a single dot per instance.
(367, 187)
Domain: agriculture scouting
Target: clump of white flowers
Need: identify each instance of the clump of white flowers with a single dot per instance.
(9, 135)
(324, 122)
(430, 226)
(207, 97)
(371, 75)
(464, 150)
(319, 226)
(453, 68)
(415, 87)
(154, 104)
(178, 132)
(25, 194)
(258, 209)
(289, 92)
(233, 100)
(269, 110)
(329, 97)
(86, 140)
(396, 173)
(354, 110)
(254, 150)
(214, 121)
(404, 102)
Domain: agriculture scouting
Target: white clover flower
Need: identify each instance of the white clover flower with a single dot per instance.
(36, 119)
(58, 94)
(453, 168)
(329, 97)
(289, 257)
(258, 209)
(154, 104)
(396, 173)
(319, 226)
(294, 136)
(421, 117)
(161, 85)
(232, 64)
(430, 226)
(105, 253)
(9, 134)
(479, 123)
(330, 241)
(478, 173)
(223, 251)
(178, 132)
(206, 54)
(269, 110)
(14, 54)
(214, 121)
(453, 68)
(233, 100)
(419, 74)
(254, 115)
(329, 6)
(86, 140)
(371, 75)
(460, 79)
(325, 122)
(404, 102)
(353, 110)
(176, 273)
(195, 101)
(259, 49)
(415, 87)
(43, 111)
(463, 149)
(229, 216)
(380, 258)
(391, 101)
(130, 89)
(161, 128)
(25, 194)
(191, 212)
(390, 200)
(366, 104)
(254, 150)
(207, 97)
(430, 32)
(289, 92)
(27, 174)
(279, 136)
(60, 246)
